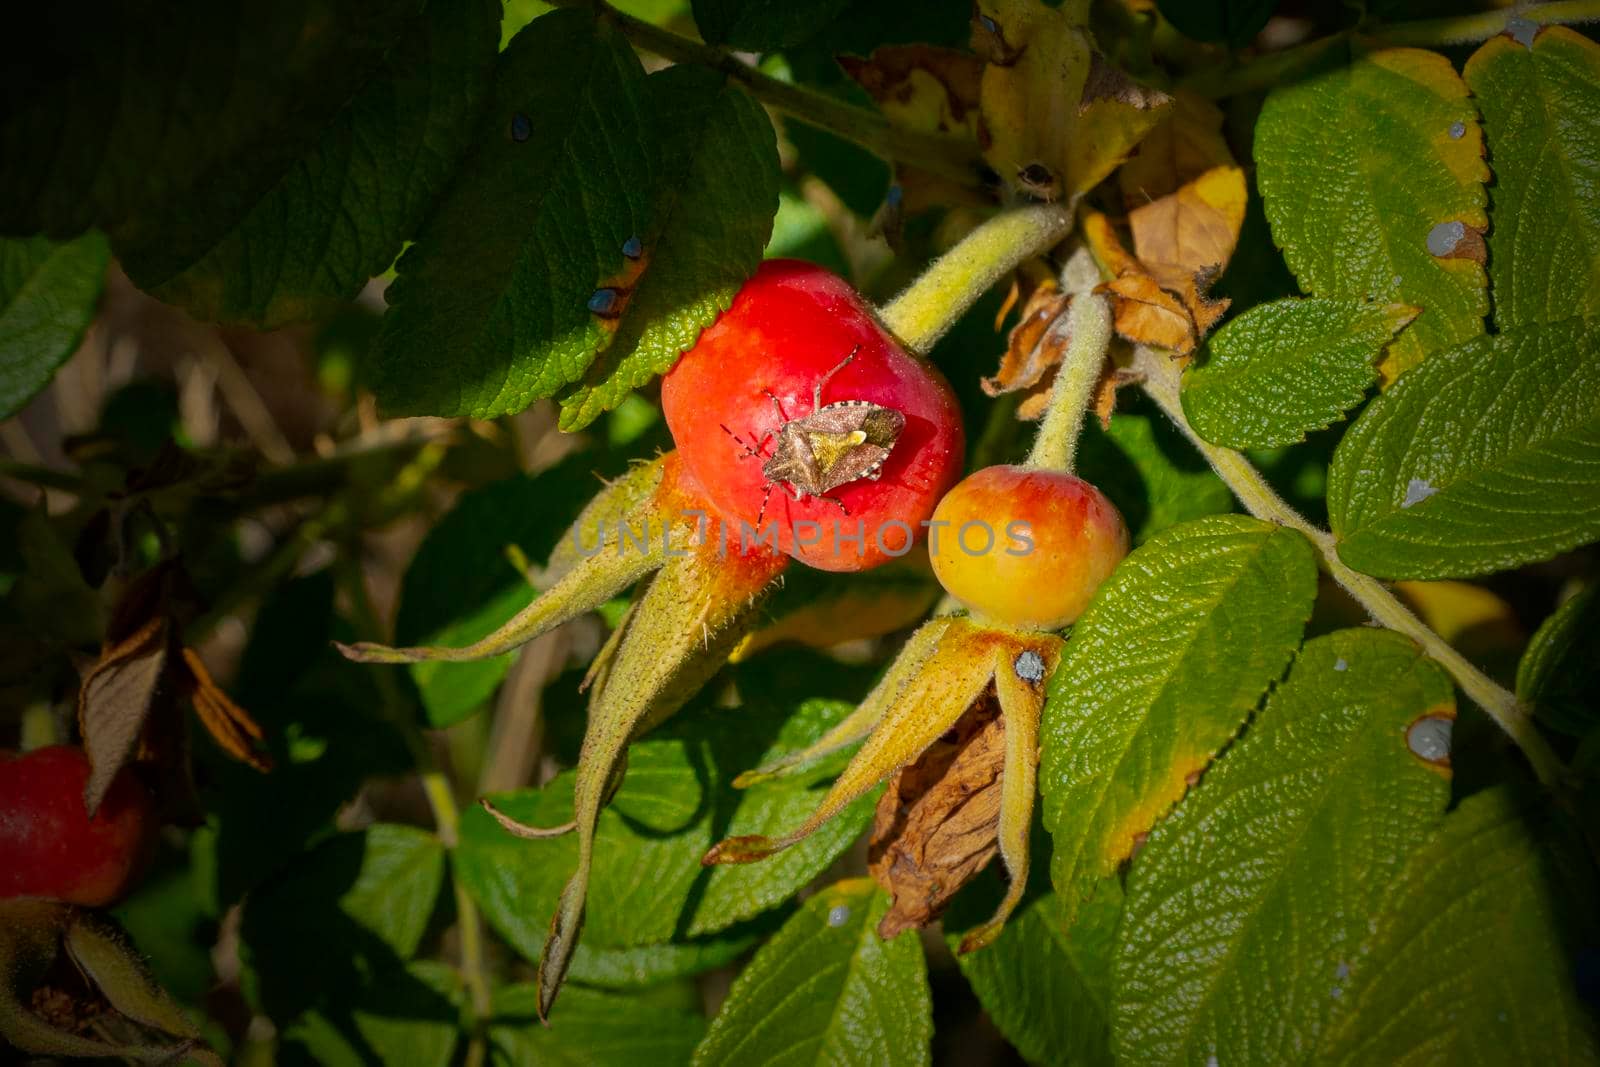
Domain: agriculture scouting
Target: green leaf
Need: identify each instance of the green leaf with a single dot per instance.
(587, 176)
(353, 907)
(121, 125)
(48, 295)
(1151, 473)
(1541, 110)
(461, 586)
(409, 1016)
(240, 249)
(712, 218)
(1230, 21)
(588, 1028)
(652, 907)
(1469, 963)
(1485, 458)
(827, 989)
(1559, 676)
(1283, 369)
(1358, 166)
(1160, 672)
(1266, 878)
(1047, 987)
(763, 25)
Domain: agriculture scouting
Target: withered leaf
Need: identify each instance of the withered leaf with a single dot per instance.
(1185, 144)
(1195, 227)
(1145, 313)
(1032, 349)
(115, 700)
(921, 86)
(227, 722)
(937, 824)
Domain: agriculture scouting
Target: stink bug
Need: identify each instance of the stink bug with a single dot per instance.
(834, 445)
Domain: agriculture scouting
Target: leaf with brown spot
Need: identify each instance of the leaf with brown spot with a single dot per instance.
(921, 86)
(115, 700)
(1056, 117)
(937, 825)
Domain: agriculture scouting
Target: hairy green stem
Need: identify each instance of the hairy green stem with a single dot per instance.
(1161, 382)
(1087, 325)
(952, 157)
(1468, 29)
(1274, 68)
(933, 303)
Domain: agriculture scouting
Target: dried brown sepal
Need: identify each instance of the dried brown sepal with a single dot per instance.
(71, 985)
(1031, 349)
(937, 825)
(235, 731)
(1105, 392)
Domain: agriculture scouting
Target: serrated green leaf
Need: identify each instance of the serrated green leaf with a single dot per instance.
(120, 124)
(827, 989)
(1357, 167)
(713, 216)
(587, 176)
(1045, 986)
(1265, 878)
(1541, 111)
(1485, 458)
(763, 25)
(589, 1028)
(1559, 676)
(1469, 963)
(648, 888)
(409, 1016)
(1160, 672)
(1231, 21)
(1283, 369)
(353, 907)
(1151, 473)
(460, 585)
(240, 250)
(48, 295)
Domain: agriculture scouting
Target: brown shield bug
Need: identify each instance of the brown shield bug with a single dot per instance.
(834, 445)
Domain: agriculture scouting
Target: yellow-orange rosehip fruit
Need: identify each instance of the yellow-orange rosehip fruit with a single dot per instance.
(1025, 547)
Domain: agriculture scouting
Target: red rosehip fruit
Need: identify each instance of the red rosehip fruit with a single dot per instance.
(877, 476)
(49, 847)
(1026, 547)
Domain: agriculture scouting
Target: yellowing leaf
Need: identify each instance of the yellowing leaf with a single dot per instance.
(1056, 117)
(922, 87)
(1191, 229)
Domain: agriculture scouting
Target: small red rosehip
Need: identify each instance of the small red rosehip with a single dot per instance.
(1026, 547)
(49, 847)
(798, 339)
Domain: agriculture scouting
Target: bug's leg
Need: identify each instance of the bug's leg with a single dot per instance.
(776, 406)
(816, 393)
(765, 496)
(836, 500)
(798, 495)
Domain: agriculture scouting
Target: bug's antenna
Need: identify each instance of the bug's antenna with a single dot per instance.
(776, 406)
(765, 496)
(816, 393)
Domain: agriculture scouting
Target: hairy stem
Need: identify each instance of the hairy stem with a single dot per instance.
(921, 314)
(1468, 29)
(1247, 483)
(1087, 325)
(952, 157)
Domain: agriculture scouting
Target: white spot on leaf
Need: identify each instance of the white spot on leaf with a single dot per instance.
(1340, 665)
(839, 915)
(1417, 490)
(1522, 30)
(1429, 738)
(1444, 237)
(1458, 130)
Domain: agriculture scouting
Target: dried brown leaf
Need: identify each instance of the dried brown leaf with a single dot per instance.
(937, 824)
(234, 730)
(1031, 349)
(115, 700)
(1185, 144)
(1147, 314)
(1195, 227)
